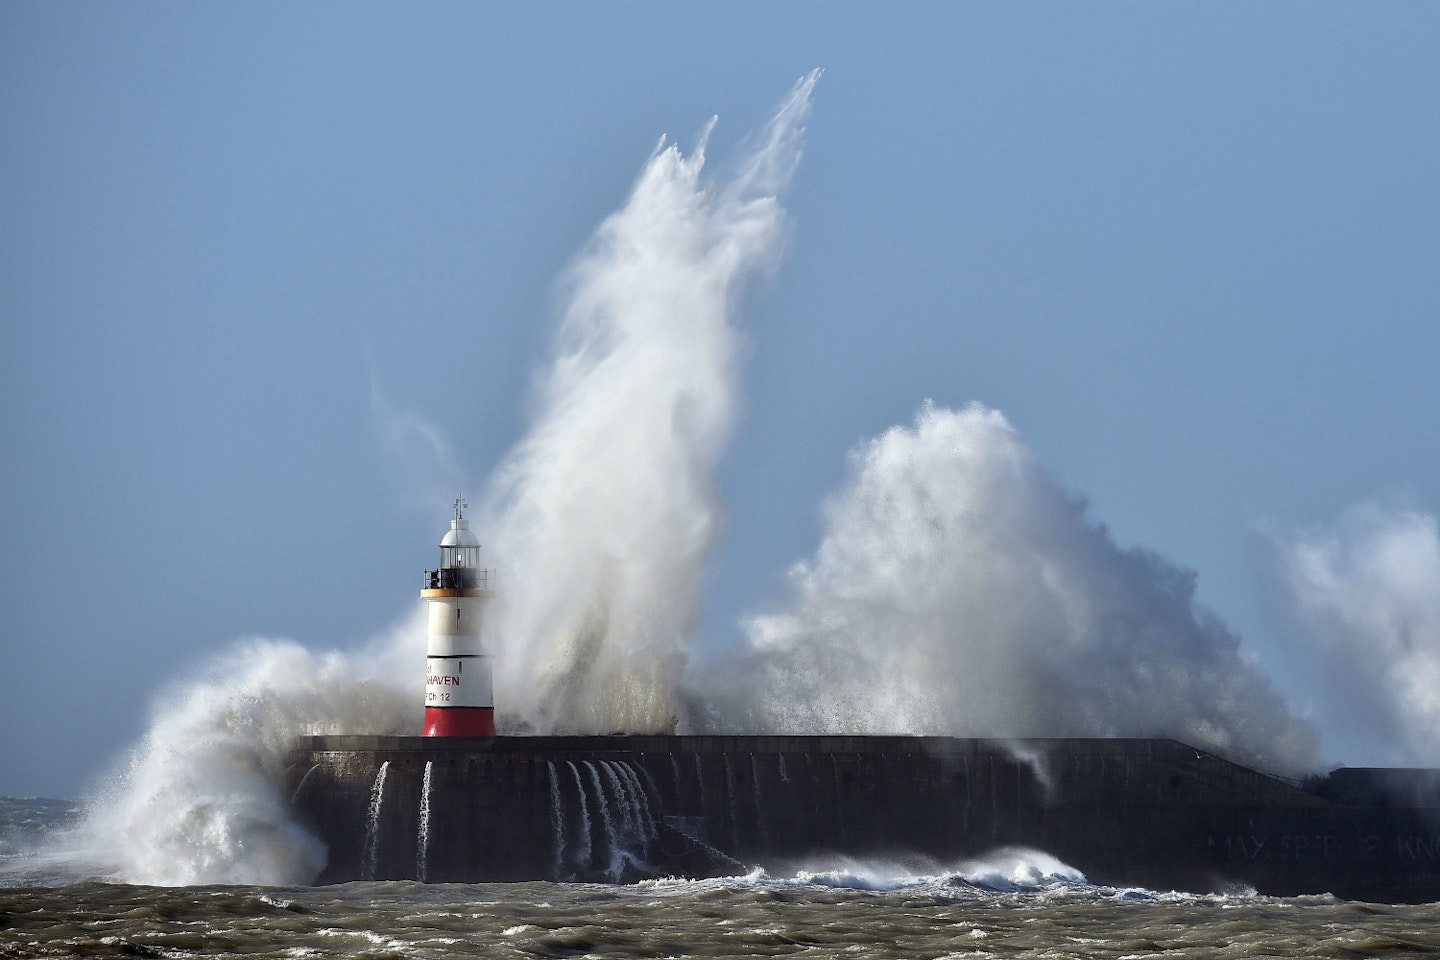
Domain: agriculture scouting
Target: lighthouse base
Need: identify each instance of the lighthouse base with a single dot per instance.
(459, 722)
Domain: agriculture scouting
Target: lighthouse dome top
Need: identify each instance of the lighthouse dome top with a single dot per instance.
(460, 535)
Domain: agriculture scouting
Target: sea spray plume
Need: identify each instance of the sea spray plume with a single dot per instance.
(959, 590)
(601, 517)
(1363, 606)
(202, 800)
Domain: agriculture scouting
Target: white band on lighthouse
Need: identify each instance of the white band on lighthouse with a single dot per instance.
(458, 682)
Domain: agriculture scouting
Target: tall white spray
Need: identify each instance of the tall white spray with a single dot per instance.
(600, 519)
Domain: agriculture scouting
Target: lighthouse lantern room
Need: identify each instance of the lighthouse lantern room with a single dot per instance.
(459, 699)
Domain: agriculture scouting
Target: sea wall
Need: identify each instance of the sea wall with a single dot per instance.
(1150, 813)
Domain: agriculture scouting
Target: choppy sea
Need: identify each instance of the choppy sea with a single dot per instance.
(56, 903)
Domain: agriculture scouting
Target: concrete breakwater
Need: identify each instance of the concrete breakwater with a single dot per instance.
(1153, 813)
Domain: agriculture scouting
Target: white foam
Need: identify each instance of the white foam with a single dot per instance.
(1009, 869)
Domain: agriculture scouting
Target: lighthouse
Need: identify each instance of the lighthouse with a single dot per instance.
(459, 700)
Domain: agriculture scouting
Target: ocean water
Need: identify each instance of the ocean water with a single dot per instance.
(55, 902)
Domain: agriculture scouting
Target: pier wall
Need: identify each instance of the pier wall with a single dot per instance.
(1152, 813)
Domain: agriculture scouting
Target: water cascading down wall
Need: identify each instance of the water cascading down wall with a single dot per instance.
(1128, 812)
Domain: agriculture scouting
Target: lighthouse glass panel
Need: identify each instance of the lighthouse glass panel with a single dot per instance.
(468, 557)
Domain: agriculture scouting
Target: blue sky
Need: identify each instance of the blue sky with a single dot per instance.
(1188, 249)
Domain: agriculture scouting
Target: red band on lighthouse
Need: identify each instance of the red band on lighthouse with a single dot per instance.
(459, 722)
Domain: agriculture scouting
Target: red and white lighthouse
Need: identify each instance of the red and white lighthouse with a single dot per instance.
(459, 698)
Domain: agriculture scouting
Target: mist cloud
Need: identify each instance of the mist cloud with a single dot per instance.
(959, 590)
(1362, 625)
